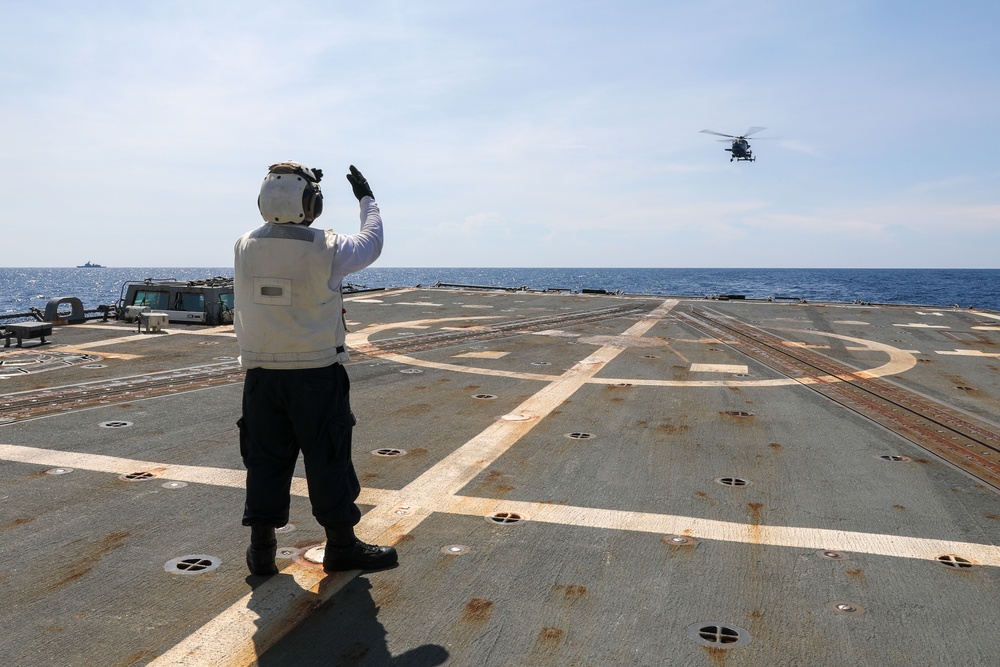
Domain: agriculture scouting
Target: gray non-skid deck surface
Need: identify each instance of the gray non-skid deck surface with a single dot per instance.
(581, 580)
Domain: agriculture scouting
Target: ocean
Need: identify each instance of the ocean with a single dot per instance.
(23, 288)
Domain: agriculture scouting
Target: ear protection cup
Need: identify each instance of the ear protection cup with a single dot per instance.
(312, 202)
(317, 204)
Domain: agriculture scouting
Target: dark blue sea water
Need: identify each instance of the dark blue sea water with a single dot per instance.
(22, 288)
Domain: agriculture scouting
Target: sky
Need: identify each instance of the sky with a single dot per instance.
(508, 134)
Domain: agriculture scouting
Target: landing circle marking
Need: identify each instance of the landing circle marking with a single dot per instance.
(899, 361)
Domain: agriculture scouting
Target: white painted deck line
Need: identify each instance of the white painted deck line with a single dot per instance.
(225, 330)
(485, 354)
(967, 353)
(767, 535)
(899, 361)
(390, 501)
(224, 477)
(719, 368)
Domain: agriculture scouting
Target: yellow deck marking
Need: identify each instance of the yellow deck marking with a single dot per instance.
(682, 357)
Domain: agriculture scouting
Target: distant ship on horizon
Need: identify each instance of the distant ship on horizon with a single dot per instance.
(89, 265)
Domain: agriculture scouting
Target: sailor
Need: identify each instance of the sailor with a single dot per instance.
(290, 326)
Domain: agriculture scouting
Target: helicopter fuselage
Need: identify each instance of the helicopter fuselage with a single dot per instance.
(741, 150)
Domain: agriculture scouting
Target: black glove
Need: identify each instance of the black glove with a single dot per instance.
(359, 184)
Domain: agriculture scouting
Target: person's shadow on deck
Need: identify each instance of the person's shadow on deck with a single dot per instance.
(344, 631)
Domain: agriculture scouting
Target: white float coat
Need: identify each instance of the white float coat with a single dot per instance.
(288, 309)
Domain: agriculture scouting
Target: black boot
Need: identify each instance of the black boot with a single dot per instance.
(261, 552)
(344, 551)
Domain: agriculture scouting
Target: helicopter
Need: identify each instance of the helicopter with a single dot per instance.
(741, 147)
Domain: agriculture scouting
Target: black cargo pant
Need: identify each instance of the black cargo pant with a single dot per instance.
(287, 411)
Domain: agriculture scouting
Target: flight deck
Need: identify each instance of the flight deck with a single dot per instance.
(570, 479)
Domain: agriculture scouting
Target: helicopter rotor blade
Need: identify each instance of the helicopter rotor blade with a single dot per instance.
(719, 133)
(752, 130)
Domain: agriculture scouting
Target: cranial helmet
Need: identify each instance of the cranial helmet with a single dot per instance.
(290, 193)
